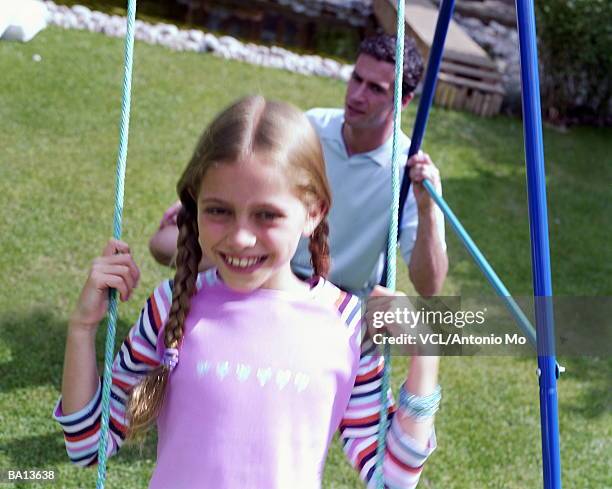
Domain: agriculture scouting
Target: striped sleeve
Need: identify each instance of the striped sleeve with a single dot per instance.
(136, 357)
(404, 457)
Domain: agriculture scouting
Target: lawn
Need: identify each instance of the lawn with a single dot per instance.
(58, 140)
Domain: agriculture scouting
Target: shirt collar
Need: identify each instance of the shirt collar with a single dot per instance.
(380, 155)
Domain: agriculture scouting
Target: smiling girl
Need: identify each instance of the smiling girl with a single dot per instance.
(247, 371)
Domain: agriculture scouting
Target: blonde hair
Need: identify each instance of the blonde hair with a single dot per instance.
(252, 125)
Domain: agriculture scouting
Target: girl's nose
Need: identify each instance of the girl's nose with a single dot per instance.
(242, 237)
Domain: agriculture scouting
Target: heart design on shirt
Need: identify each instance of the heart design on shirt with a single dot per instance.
(222, 369)
(242, 372)
(282, 378)
(263, 375)
(203, 368)
(301, 381)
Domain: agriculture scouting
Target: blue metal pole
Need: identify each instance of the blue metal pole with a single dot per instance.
(429, 88)
(540, 251)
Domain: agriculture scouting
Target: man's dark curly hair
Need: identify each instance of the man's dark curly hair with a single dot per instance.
(382, 48)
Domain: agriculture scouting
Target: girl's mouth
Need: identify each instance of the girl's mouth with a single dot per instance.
(245, 264)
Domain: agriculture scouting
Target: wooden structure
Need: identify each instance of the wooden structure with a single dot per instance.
(468, 78)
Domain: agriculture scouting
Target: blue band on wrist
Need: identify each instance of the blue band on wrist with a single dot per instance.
(420, 407)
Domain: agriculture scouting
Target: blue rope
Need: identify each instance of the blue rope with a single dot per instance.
(392, 240)
(119, 186)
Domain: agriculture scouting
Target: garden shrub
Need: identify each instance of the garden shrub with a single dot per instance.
(575, 47)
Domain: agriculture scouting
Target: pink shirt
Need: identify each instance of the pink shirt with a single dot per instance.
(261, 386)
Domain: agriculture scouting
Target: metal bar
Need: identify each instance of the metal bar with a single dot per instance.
(429, 88)
(540, 250)
(484, 266)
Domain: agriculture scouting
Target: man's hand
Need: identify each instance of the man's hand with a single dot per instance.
(169, 217)
(421, 168)
(162, 244)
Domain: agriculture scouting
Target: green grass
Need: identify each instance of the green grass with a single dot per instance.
(58, 140)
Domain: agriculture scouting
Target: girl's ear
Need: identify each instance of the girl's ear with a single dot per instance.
(315, 215)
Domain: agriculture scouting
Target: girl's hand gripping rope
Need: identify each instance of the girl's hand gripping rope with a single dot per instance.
(114, 269)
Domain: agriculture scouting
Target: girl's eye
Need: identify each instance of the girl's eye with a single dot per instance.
(216, 211)
(267, 216)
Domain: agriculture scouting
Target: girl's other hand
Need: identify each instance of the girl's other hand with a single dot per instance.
(114, 269)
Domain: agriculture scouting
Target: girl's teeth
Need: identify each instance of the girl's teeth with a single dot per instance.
(242, 262)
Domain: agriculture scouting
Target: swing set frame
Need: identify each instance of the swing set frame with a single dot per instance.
(543, 338)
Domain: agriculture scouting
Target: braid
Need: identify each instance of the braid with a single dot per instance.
(188, 259)
(147, 397)
(319, 249)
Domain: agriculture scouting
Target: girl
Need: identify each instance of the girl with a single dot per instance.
(247, 370)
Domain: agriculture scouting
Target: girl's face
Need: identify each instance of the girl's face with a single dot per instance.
(250, 222)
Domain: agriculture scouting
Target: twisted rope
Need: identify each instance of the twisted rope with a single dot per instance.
(392, 240)
(124, 127)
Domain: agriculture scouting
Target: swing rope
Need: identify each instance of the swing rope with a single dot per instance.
(124, 127)
(392, 239)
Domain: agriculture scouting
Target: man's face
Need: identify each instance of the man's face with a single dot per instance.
(369, 94)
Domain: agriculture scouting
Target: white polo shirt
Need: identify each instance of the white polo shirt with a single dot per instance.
(361, 208)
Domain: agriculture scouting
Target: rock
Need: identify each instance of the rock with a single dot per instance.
(471, 23)
(171, 36)
(211, 42)
(81, 12)
(487, 11)
(498, 38)
(100, 17)
(167, 29)
(229, 41)
(70, 21)
(196, 36)
(346, 72)
(57, 18)
(276, 62)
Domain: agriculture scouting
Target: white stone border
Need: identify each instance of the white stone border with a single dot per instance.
(170, 36)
